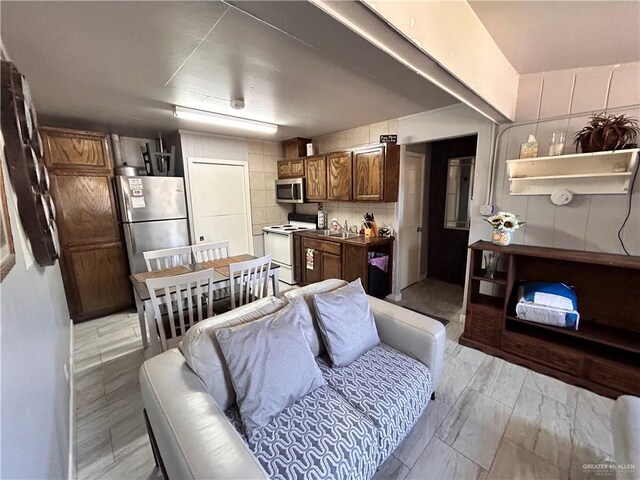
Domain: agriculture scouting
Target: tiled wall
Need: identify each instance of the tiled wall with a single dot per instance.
(263, 172)
(353, 212)
(589, 222)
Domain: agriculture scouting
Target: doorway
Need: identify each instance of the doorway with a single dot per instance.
(432, 281)
(447, 241)
(220, 206)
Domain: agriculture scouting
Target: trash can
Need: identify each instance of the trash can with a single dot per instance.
(378, 274)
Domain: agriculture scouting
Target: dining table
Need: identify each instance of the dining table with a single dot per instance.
(220, 280)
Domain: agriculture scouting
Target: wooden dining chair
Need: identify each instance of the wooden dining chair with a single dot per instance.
(249, 281)
(167, 258)
(180, 301)
(210, 251)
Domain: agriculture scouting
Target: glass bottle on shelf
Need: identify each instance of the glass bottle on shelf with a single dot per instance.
(556, 145)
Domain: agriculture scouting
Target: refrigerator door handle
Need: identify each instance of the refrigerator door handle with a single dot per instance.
(127, 208)
(133, 244)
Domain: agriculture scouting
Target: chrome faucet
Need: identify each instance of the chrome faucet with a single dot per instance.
(335, 225)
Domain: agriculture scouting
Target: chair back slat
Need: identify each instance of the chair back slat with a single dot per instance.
(183, 297)
(250, 280)
(167, 258)
(206, 252)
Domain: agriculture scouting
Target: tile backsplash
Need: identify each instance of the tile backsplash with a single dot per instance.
(263, 172)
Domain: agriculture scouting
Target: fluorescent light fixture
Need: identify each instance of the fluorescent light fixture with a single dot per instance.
(224, 120)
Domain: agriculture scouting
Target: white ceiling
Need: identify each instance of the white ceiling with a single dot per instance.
(538, 36)
(121, 66)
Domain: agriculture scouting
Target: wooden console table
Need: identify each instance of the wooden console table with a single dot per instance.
(603, 355)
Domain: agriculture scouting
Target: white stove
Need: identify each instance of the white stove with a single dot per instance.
(278, 241)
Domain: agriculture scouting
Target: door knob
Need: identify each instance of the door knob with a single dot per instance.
(419, 229)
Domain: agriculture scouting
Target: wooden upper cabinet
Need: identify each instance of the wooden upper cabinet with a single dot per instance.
(315, 170)
(291, 168)
(295, 147)
(284, 169)
(297, 168)
(368, 174)
(86, 208)
(71, 149)
(339, 176)
(376, 173)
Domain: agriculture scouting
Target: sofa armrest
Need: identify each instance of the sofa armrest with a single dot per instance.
(194, 437)
(416, 335)
(625, 426)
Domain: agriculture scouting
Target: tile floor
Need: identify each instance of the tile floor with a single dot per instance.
(434, 297)
(490, 420)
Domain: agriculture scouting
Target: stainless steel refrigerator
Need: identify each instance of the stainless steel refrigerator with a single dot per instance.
(153, 211)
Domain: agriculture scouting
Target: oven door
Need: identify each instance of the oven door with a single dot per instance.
(290, 191)
(280, 246)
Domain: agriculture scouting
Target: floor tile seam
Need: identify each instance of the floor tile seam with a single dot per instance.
(429, 441)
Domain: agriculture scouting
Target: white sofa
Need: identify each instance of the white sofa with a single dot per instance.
(193, 436)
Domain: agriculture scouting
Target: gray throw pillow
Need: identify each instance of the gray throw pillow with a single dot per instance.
(270, 364)
(346, 322)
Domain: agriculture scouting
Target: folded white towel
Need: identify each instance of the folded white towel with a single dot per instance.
(547, 315)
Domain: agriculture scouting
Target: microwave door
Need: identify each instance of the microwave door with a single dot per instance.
(285, 193)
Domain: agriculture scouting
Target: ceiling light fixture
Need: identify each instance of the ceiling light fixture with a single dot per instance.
(224, 120)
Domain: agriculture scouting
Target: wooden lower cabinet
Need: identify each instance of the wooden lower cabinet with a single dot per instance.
(337, 259)
(327, 260)
(100, 277)
(92, 253)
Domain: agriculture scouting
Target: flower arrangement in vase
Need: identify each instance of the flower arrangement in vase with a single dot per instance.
(504, 224)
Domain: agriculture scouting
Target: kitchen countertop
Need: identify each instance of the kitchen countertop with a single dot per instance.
(358, 241)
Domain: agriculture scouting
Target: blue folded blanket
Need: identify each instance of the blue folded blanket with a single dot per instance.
(550, 294)
(548, 303)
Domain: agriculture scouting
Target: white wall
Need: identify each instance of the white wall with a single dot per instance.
(35, 332)
(451, 33)
(262, 157)
(450, 122)
(589, 222)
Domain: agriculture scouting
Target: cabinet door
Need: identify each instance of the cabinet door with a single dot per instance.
(331, 266)
(297, 168)
(86, 208)
(316, 178)
(99, 278)
(284, 169)
(339, 177)
(315, 274)
(368, 174)
(70, 149)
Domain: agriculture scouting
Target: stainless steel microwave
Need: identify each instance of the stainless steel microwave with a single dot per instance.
(290, 190)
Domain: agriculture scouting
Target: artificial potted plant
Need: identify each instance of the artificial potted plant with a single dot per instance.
(607, 132)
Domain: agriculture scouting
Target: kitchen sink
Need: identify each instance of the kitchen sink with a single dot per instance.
(344, 234)
(326, 232)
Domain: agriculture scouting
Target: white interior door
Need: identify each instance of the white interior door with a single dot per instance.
(411, 192)
(220, 203)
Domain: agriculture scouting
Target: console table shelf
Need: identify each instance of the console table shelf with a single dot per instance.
(602, 355)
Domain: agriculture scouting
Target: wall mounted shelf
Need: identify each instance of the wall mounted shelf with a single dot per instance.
(582, 173)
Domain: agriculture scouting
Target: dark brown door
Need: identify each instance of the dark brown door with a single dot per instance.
(339, 177)
(368, 174)
(93, 257)
(315, 169)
